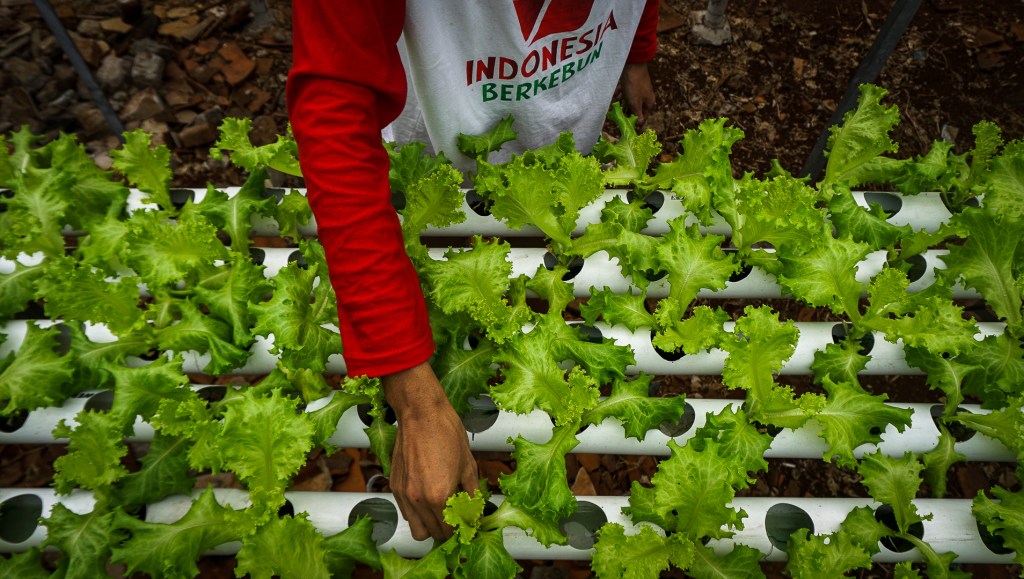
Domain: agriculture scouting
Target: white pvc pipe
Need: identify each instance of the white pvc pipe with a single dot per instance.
(952, 528)
(600, 270)
(923, 211)
(887, 358)
(608, 437)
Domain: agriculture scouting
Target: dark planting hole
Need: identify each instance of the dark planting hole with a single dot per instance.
(32, 311)
(889, 203)
(994, 543)
(297, 257)
(398, 200)
(958, 430)
(19, 517)
(364, 414)
(574, 266)
(102, 401)
(383, 514)
(478, 204)
(769, 429)
(275, 192)
(257, 255)
(581, 526)
(885, 515)
(180, 197)
(590, 333)
(679, 427)
(483, 413)
(669, 356)
(490, 508)
(212, 394)
(918, 265)
(970, 202)
(867, 342)
(741, 274)
(286, 510)
(651, 275)
(653, 201)
(782, 520)
(13, 422)
(149, 355)
(63, 340)
(471, 342)
(6, 193)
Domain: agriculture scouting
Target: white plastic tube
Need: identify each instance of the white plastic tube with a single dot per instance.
(600, 271)
(923, 211)
(952, 528)
(608, 437)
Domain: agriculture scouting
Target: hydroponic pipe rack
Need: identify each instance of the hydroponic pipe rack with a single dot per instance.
(768, 524)
(769, 521)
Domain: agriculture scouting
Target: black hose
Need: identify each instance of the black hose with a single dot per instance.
(896, 23)
(65, 42)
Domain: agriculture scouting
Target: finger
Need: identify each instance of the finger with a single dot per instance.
(470, 480)
(432, 519)
(419, 530)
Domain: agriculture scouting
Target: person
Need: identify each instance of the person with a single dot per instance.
(422, 70)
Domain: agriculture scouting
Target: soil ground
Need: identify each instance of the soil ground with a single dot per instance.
(779, 80)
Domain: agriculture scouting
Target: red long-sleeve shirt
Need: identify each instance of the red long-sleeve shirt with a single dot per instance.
(347, 83)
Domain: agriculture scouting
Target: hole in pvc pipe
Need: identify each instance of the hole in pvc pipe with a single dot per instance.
(653, 201)
(959, 431)
(483, 413)
(286, 510)
(889, 203)
(994, 543)
(679, 427)
(918, 265)
(574, 266)
(364, 414)
(478, 204)
(179, 197)
(398, 200)
(275, 192)
(581, 526)
(19, 517)
(885, 515)
(971, 202)
(101, 401)
(13, 422)
(651, 275)
(590, 333)
(782, 519)
(212, 393)
(297, 257)
(63, 340)
(741, 274)
(867, 342)
(489, 508)
(257, 255)
(383, 514)
(665, 355)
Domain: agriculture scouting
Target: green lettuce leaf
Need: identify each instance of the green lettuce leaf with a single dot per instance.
(36, 376)
(284, 547)
(281, 155)
(631, 153)
(146, 167)
(171, 550)
(642, 555)
(86, 540)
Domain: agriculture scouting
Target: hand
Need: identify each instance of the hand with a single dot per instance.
(431, 460)
(637, 90)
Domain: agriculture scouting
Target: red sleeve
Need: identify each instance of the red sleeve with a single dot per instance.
(345, 85)
(645, 41)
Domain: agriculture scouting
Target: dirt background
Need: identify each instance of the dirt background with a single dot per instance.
(779, 80)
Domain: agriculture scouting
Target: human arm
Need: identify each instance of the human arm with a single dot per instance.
(346, 84)
(637, 88)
